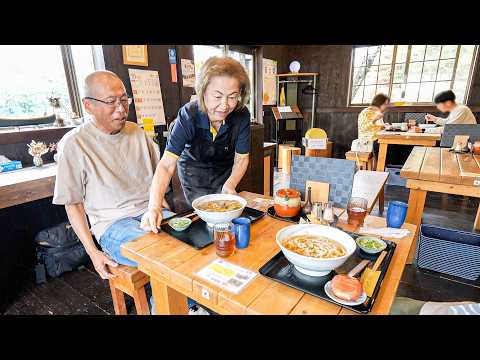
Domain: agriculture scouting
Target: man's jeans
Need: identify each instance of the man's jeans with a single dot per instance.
(121, 232)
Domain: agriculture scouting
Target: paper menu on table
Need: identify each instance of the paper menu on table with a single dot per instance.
(284, 109)
(228, 276)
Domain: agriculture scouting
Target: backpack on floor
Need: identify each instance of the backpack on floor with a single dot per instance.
(58, 250)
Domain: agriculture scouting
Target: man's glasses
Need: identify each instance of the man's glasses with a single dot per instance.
(124, 100)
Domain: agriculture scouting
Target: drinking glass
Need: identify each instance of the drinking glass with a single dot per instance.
(396, 214)
(224, 239)
(357, 210)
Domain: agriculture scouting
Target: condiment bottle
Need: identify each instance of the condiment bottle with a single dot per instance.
(317, 212)
(307, 208)
(328, 215)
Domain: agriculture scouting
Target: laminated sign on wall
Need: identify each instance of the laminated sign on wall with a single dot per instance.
(188, 73)
(147, 96)
(269, 83)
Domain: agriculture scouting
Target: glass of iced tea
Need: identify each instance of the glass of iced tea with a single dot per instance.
(224, 239)
(357, 210)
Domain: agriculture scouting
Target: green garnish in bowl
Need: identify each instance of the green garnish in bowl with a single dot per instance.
(371, 244)
(180, 224)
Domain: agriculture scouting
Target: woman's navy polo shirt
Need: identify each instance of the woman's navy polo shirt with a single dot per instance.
(184, 129)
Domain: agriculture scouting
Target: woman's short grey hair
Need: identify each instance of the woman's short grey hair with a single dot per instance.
(223, 66)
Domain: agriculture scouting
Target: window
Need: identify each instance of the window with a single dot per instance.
(410, 73)
(247, 61)
(32, 73)
(202, 52)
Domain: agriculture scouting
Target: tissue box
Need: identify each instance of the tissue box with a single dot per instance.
(10, 166)
(320, 144)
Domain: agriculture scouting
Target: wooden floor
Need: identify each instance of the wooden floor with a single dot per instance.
(83, 292)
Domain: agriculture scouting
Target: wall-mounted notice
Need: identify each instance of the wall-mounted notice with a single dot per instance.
(269, 83)
(147, 95)
(172, 59)
(188, 73)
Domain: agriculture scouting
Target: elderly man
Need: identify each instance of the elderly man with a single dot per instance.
(105, 169)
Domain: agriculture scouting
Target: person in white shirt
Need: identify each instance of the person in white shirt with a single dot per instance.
(459, 114)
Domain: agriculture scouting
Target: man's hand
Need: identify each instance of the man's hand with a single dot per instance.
(227, 188)
(430, 118)
(100, 260)
(151, 220)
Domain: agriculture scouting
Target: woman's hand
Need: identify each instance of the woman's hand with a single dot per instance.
(151, 220)
(227, 188)
(100, 261)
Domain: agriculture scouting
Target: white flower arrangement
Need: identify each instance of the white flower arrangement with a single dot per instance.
(37, 148)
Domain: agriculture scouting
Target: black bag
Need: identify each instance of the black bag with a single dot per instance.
(58, 250)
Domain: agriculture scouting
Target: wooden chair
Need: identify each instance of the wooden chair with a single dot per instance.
(131, 281)
(364, 159)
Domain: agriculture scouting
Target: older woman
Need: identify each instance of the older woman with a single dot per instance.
(210, 140)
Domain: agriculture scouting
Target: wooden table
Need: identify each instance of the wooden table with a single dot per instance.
(402, 138)
(171, 265)
(369, 185)
(439, 170)
(28, 184)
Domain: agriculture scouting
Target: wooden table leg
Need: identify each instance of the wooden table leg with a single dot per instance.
(477, 219)
(168, 301)
(382, 156)
(416, 203)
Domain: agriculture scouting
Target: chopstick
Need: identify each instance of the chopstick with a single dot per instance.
(178, 215)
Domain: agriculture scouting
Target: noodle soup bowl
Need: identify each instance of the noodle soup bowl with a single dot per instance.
(218, 217)
(310, 265)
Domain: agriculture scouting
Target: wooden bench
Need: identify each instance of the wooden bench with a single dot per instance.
(364, 159)
(131, 281)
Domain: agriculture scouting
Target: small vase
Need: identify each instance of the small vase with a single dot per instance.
(37, 161)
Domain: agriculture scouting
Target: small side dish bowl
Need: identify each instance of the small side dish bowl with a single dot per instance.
(180, 223)
(371, 244)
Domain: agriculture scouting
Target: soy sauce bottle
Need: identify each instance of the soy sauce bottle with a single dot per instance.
(307, 208)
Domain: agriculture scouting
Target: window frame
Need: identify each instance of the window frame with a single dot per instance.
(407, 66)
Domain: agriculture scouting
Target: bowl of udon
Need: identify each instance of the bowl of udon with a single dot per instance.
(219, 208)
(315, 250)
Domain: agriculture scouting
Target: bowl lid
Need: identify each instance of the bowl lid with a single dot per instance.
(288, 192)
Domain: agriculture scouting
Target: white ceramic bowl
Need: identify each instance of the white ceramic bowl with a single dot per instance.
(310, 265)
(211, 217)
(427, 126)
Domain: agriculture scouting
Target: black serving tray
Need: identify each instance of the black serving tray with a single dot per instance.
(272, 213)
(281, 270)
(199, 234)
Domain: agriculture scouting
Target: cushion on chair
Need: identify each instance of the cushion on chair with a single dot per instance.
(451, 130)
(338, 173)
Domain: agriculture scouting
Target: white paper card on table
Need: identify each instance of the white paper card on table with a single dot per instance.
(147, 95)
(284, 109)
(228, 276)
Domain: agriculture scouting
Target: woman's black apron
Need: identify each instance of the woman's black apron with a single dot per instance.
(205, 165)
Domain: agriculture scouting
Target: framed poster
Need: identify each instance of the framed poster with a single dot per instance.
(135, 55)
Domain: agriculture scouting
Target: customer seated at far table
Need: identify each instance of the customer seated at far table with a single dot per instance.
(370, 121)
(459, 114)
